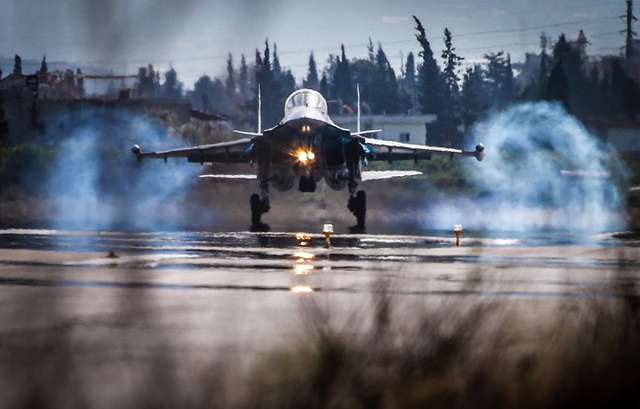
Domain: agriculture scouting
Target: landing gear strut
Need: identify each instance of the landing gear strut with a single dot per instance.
(358, 206)
(258, 208)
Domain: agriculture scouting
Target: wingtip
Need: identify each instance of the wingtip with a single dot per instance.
(137, 152)
(479, 153)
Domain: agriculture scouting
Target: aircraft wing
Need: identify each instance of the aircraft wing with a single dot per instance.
(238, 151)
(381, 149)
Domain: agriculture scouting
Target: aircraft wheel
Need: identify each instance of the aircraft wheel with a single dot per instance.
(358, 206)
(307, 184)
(258, 208)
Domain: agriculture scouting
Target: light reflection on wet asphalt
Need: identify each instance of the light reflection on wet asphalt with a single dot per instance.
(299, 255)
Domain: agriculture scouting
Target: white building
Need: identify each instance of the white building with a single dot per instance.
(401, 128)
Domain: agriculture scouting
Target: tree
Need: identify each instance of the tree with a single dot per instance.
(17, 65)
(324, 86)
(370, 49)
(276, 68)
(230, 84)
(342, 86)
(558, 86)
(171, 88)
(147, 82)
(312, 75)
(430, 83)
(572, 59)
(44, 69)
(561, 48)
(269, 88)
(471, 95)
(409, 80)
(449, 115)
(365, 74)
(243, 79)
(452, 63)
(209, 95)
(499, 82)
(384, 93)
(80, 82)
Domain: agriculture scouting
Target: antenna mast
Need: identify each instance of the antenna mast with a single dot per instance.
(629, 51)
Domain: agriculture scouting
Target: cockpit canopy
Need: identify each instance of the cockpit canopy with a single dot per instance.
(307, 98)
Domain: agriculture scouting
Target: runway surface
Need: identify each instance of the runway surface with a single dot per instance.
(119, 300)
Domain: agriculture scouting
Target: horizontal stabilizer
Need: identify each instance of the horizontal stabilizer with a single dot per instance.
(388, 174)
(230, 177)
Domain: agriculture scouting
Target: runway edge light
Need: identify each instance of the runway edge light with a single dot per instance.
(327, 230)
(457, 230)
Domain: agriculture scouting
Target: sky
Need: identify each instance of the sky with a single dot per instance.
(196, 36)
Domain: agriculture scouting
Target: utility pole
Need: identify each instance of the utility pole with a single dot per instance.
(630, 33)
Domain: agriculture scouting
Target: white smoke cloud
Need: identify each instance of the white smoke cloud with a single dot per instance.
(543, 171)
(97, 184)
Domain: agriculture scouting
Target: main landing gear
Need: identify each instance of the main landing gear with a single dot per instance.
(358, 206)
(258, 208)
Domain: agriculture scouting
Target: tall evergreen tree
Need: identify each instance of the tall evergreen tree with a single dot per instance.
(561, 48)
(371, 49)
(500, 87)
(312, 75)
(324, 86)
(17, 65)
(430, 84)
(269, 89)
(276, 68)
(44, 68)
(385, 97)
(243, 79)
(230, 83)
(449, 116)
(452, 63)
(409, 81)
(342, 88)
(80, 82)
(471, 105)
(558, 86)
(573, 58)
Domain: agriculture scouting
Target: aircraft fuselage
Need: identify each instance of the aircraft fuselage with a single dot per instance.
(307, 147)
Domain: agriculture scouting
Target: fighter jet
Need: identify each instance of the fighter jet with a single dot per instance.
(305, 148)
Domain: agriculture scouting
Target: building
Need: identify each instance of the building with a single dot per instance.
(401, 128)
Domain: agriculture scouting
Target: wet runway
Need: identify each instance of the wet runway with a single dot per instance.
(300, 262)
(110, 303)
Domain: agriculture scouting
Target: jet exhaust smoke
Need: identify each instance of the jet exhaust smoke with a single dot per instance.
(96, 184)
(544, 171)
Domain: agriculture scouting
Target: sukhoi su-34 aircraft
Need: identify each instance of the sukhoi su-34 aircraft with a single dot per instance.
(305, 148)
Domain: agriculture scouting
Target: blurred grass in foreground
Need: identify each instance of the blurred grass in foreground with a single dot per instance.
(477, 355)
(476, 351)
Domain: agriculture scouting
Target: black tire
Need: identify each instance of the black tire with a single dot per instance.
(358, 206)
(258, 208)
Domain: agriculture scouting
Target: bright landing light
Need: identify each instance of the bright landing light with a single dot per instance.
(305, 156)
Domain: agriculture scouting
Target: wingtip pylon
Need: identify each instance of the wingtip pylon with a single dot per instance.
(479, 152)
(137, 152)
